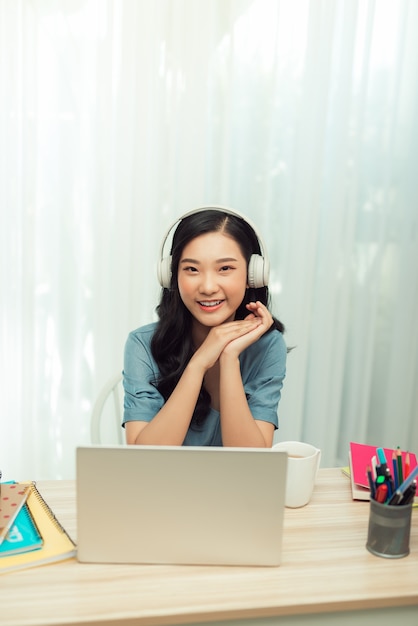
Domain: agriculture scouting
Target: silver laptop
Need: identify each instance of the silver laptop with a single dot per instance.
(180, 505)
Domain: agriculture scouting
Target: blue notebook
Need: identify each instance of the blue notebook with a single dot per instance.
(23, 536)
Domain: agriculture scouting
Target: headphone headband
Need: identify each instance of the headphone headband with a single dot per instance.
(258, 267)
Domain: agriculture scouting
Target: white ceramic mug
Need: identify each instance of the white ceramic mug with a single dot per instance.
(302, 466)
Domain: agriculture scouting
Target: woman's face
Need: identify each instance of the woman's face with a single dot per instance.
(212, 278)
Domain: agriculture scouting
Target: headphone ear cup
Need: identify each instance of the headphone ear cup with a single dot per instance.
(258, 271)
(164, 272)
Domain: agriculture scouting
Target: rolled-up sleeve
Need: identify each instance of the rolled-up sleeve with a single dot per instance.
(142, 400)
(263, 369)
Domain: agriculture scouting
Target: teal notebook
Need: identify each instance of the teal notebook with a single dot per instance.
(23, 536)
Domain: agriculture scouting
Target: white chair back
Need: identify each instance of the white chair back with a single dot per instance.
(106, 417)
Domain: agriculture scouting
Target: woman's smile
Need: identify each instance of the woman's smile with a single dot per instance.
(210, 305)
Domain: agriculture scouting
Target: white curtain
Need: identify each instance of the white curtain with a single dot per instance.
(119, 115)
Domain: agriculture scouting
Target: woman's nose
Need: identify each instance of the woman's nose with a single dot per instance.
(208, 283)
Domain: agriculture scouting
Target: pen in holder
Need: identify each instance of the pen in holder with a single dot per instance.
(389, 530)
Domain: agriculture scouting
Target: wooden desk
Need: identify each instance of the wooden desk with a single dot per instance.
(327, 575)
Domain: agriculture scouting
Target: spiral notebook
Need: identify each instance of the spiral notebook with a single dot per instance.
(180, 505)
(57, 544)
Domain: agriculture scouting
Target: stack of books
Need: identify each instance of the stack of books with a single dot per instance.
(30, 534)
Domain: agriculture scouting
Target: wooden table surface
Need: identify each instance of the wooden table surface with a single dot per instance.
(325, 569)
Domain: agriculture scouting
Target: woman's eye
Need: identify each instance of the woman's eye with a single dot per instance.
(226, 268)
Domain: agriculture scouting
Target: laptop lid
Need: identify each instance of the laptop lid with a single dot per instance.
(180, 505)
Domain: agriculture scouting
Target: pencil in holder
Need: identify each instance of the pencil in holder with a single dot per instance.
(389, 530)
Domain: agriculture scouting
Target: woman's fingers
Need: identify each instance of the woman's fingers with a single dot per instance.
(227, 332)
(258, 309)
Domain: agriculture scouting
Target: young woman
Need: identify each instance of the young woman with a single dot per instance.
(210, 371)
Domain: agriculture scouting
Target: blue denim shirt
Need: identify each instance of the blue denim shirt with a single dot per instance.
(263, 368)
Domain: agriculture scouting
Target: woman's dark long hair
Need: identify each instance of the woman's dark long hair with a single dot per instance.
(172, 345)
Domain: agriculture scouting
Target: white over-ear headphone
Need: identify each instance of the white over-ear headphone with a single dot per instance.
(258, 267)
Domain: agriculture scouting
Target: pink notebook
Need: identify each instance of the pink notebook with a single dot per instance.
(360, 456)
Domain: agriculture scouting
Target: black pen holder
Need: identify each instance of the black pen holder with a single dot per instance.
(389, 530)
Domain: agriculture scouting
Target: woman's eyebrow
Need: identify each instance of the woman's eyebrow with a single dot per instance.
(194, 261)
(225, 260)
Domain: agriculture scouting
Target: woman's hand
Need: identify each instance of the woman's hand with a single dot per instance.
(232, 338)
(219, 337)
(258, 313)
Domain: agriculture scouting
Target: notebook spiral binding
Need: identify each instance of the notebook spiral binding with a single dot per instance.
(47, 509)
